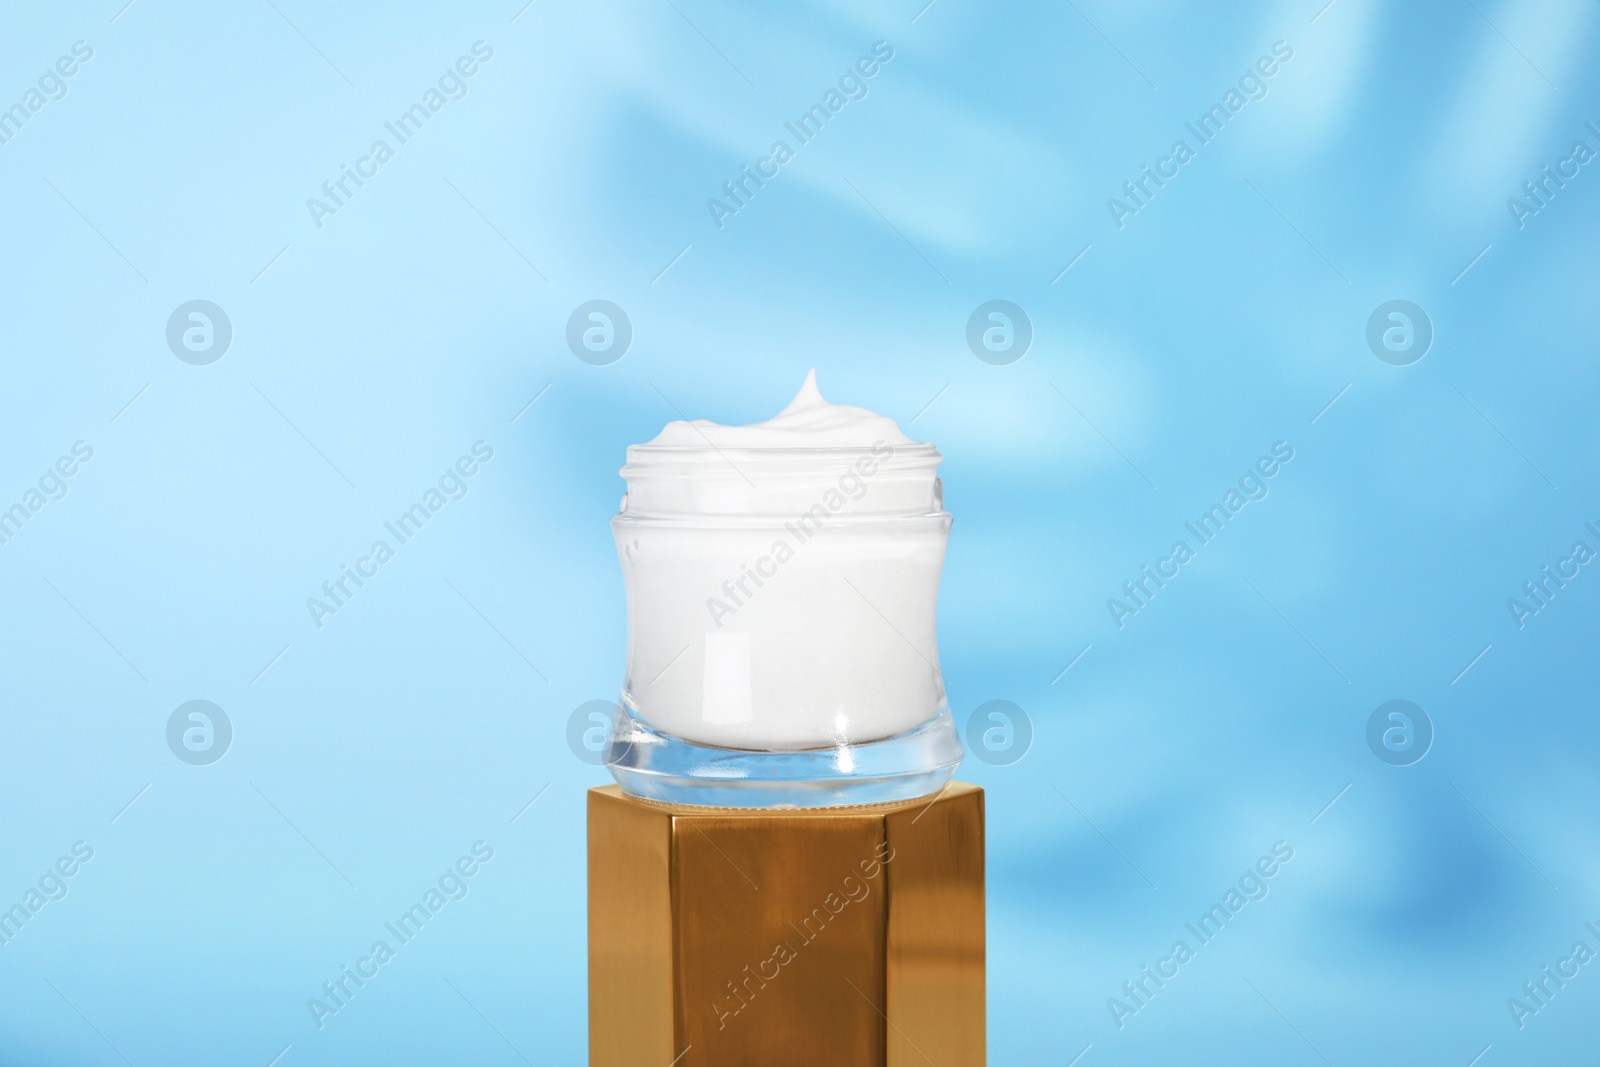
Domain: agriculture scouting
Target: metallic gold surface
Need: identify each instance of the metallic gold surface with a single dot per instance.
(845, 937)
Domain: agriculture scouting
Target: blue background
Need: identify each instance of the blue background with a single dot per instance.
(372, 351)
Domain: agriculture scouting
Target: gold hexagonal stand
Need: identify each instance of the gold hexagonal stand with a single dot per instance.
(729, 937)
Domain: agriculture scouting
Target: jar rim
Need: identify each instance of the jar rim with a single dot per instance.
(645, 460)
(915, 448)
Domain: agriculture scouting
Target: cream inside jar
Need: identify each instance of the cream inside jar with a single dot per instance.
(782, 579)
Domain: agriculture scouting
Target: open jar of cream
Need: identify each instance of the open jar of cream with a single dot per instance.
(782, 580)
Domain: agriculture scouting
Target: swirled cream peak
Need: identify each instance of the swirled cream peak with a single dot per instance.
(808, 422)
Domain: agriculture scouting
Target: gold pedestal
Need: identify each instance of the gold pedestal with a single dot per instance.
(827, 937)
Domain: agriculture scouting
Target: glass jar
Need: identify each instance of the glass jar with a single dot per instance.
(781, 639)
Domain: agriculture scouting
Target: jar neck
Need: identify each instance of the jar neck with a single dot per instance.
(877, 482)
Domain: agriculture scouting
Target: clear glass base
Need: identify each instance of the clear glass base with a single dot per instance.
(653, 765)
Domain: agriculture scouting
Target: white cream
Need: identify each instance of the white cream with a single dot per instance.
(808, 422)
(782, 578)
